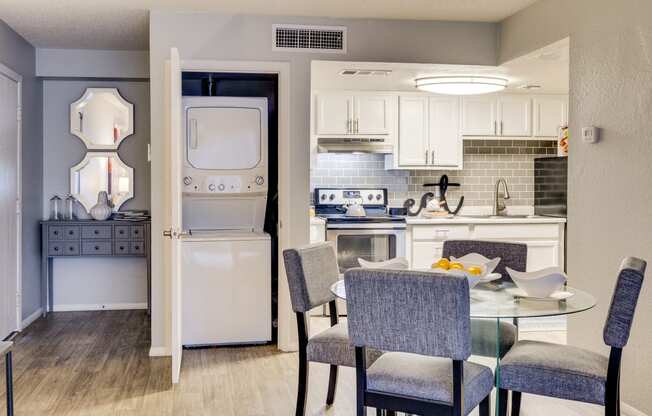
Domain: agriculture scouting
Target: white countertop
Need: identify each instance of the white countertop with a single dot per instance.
(460, 219)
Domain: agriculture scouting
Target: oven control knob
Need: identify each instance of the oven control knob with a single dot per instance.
(260, 180)
(187, 180)
(221, 187)
(332, 197)
(211, 187)
(323, 197)
(379, 197)
(370, 197)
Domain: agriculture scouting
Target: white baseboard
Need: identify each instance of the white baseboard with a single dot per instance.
(630, 410)
(99, 307)
(33, 317)
(159, 352)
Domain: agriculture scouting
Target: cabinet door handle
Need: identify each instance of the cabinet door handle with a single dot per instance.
(432, 157)
(501, 128)
(495, 129)
(355, 126)
(426, 157)
(348, 125)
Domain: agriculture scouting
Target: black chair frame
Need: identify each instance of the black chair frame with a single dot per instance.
(302, 388)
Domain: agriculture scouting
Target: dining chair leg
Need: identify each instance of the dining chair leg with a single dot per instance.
(332, 385)
(502, 402)
(302, 388)
(516, 403)
(9, 384)
(485, 406)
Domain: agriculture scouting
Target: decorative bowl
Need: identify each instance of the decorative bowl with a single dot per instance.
(397, 263)
(474, 279)
(475, 259)
(540, 283)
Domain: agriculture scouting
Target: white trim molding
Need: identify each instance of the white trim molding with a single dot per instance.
(630, 410)
(99, 307)
(30, 319)
(159, 352)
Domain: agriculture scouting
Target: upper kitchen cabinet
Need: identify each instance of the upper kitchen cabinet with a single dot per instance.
(354, 114)
(429, 133)
(514, 116)
(550, 114)
(334, 113)
(479, 115)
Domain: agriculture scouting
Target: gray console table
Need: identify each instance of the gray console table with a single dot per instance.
(88, 238)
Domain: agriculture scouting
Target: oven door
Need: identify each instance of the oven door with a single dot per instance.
(368, 244)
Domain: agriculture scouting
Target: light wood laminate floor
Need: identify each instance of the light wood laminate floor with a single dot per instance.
(97, 363)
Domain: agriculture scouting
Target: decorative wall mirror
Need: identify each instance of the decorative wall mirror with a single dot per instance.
(102, 171)
(101, 118)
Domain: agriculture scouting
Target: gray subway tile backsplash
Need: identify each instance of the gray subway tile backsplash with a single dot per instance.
(484, 162)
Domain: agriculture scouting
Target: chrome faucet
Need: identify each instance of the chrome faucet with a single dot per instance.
(500, 197)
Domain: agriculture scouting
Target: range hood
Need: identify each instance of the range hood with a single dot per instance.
(353, 145)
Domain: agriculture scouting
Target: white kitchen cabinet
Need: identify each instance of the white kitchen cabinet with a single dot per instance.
(514, 115)
(550, 114)
(429, 132)
(479, 115)
(444, 131)
(413, 146)
(372, 114)
(350, 113)
(334, 111)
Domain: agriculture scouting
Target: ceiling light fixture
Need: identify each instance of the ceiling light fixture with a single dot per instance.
(461, 84)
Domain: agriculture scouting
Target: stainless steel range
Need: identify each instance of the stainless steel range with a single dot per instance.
(373, 236)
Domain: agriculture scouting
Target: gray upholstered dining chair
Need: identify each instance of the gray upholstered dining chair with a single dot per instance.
(311, 270)
(572, 373)
(483, 331)
(421, 321)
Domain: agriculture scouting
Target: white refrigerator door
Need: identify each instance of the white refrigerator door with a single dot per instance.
(227, 291)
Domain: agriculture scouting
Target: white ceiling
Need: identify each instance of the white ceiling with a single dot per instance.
(123, 24)
(547, 67)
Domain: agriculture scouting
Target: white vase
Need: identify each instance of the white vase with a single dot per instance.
(79, 211)
(102, 210)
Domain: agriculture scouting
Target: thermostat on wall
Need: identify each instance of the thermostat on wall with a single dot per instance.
(590, 134)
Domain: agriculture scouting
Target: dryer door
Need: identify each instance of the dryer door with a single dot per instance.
(223, 138)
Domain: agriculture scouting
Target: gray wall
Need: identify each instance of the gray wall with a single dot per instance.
(91, 63)
(80, 282)
(19, 55)
(610, 184)
(240, 37)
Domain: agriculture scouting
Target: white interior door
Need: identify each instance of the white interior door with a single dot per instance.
(514, 115)
(175, 232)
(413, 131)
(9, 204)
(445, 137)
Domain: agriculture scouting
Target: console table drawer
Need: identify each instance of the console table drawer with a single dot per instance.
(136, 247)
(96, 232)
(56, 232)
(62, 248)
(71, 233)
(122, 232)
(121, 248)
(96, 248)
(137, 232)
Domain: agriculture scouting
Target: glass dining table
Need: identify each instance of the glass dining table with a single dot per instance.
(505, 301)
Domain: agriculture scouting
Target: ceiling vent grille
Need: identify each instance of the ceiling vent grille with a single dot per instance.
(300, 38)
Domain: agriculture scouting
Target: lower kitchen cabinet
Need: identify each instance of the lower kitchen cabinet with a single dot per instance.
(545, 241)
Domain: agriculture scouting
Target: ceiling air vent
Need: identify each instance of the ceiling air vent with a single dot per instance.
(300, 38)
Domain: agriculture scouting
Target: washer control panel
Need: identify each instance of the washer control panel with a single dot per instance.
(223, 184)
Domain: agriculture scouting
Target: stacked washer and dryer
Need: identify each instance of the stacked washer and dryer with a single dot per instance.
(226, 272)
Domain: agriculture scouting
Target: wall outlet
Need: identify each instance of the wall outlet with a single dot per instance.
(590, 134)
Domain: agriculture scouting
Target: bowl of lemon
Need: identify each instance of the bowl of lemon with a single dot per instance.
(476, 268)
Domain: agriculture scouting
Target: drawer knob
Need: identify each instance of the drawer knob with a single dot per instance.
(136, 232)
(55, 232)
(122, 247)
(56, 249)
(121, 231)
(96, 231)
(71, 232)
(136, 247)
(71, 248)
(97, 247)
